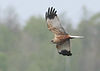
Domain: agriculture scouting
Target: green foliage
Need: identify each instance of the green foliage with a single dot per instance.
(6, 38)
(3, 62)
(37, 28)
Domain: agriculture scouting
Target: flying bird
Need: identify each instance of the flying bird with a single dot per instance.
(61, 38)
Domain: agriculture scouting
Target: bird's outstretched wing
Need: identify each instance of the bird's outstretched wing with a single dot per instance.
(53, 22)
(64, 48)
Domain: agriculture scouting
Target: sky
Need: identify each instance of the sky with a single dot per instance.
(72, 8)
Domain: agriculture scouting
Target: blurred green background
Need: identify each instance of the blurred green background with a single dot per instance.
(28, 48)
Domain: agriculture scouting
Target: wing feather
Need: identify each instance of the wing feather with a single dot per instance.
(53, 22)
(64, 48)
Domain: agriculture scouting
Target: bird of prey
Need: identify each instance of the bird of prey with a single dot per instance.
(61, 38)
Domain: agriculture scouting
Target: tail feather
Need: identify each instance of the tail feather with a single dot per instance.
(73, 37)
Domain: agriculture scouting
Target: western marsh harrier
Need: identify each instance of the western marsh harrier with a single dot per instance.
(61, 38)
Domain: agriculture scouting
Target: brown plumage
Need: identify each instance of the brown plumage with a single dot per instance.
(61, 38)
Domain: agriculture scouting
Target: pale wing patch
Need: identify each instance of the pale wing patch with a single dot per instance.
(55, 26)
(64, 46)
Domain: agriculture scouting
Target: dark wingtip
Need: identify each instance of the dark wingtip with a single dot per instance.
(51, 13)
(65, 53)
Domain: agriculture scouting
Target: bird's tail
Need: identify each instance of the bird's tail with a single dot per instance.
(79, 37)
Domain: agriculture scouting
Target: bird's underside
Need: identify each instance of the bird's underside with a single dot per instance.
(61, 38)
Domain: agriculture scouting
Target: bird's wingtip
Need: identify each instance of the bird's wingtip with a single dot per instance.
(51, 13)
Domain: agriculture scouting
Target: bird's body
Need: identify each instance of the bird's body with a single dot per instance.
(61, 38)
